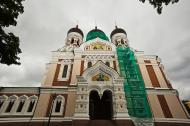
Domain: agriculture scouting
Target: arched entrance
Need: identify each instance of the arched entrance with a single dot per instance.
(100, 108)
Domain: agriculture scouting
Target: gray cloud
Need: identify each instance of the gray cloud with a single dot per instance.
(179, 72)
(44, 25)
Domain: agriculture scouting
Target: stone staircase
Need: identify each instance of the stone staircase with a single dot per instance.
(102, 123)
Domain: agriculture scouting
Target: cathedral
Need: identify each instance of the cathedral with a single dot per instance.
(96, 80)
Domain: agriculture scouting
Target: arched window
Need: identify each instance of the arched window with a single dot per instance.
(2, 100)
(31, 106)
(108, 64)
(11, 102)
(89, 64)
(58, 105)
(72, 40)
(10, 105)
(1, 103)
(32, 103)
(116, 43)
(122, 42)
(22, 101)
(78, 42)
(65, 68)
(20, 106)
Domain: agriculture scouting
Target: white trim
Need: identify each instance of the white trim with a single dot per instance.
(61, 99)
(176, 120)
(35, 119)
(12, 98)
(24, 99)
(15, 106)
(63, 64)
(20, 90)
(33, 98)
(150, 90)
(3, 98)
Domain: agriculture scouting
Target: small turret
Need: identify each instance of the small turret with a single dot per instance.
(74, 37)
(119, 37)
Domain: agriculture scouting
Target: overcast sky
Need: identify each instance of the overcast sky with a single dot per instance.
(43, 26)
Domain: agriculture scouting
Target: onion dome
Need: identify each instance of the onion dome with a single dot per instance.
(76, 29)
(96, 33)
(117, 30)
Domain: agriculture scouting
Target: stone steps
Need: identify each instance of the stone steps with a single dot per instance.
(102, 123)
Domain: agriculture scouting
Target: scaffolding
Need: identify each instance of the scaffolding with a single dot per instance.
(135, 92)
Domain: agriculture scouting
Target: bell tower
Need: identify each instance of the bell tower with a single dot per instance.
(119, 37)
(74, 37)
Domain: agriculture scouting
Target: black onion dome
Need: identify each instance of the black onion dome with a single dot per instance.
(117, 30)
(75, 29)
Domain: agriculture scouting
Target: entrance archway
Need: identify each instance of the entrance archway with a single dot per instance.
(100, 108)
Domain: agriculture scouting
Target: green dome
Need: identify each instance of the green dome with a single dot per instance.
(96, 33)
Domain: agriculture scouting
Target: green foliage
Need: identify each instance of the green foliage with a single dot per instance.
(158, 4)
(9, 43)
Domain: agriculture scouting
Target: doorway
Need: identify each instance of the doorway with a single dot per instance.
(100, 108)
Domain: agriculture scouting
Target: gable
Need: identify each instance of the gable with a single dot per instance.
(98, 45)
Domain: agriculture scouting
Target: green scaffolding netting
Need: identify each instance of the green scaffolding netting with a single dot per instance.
(135, 92)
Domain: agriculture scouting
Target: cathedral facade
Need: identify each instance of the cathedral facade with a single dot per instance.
(97, 81)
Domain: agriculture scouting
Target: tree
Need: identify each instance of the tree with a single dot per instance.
(158, 4)
(9, 43)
